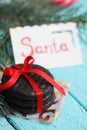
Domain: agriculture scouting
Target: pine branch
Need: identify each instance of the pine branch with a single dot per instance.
(4, 108)
(6, 54)
(40, 11)
(31, 12)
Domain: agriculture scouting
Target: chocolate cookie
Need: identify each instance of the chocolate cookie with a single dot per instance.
(28, 102)
(21, 95)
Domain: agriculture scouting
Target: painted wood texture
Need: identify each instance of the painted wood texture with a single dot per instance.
(77, 77)
(73, 114)
(4, 124)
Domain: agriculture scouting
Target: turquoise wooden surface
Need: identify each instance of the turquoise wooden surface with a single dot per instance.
(73, 115)
(5, 125)
(77, 76)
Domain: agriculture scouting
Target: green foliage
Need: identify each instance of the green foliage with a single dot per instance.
(41, 11)
(6, 54)
(29, 12)
(4, 108)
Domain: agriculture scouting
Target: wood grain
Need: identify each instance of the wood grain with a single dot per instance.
(71, 116)
(4, 124)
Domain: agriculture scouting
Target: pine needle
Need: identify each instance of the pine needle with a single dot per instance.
(4, 108)
(31, 12)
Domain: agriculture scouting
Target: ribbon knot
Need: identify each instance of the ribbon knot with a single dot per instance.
(17, 70)
(22, 70)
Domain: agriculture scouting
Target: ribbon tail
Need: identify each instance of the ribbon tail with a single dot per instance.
(49, 79)
(37, 92)
(10, 82)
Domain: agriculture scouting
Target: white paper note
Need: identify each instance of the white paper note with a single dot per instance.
(54, 45)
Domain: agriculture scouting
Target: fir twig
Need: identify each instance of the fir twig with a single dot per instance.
(40, 11)
(6, 54)
(23, 12)
(4, 108)
(23, 20)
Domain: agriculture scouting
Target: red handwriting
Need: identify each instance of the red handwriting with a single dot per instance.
(42, 49)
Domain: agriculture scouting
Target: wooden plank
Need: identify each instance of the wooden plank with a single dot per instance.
(71, 116)
(83, 7)
(77, 77)
(4, 124)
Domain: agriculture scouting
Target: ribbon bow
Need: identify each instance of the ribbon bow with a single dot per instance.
(17, 70)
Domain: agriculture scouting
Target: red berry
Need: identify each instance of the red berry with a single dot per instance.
(63, 3)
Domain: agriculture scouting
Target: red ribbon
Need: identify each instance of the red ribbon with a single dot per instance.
(17, 70)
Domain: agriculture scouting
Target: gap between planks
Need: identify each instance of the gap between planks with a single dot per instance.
(75, 98)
